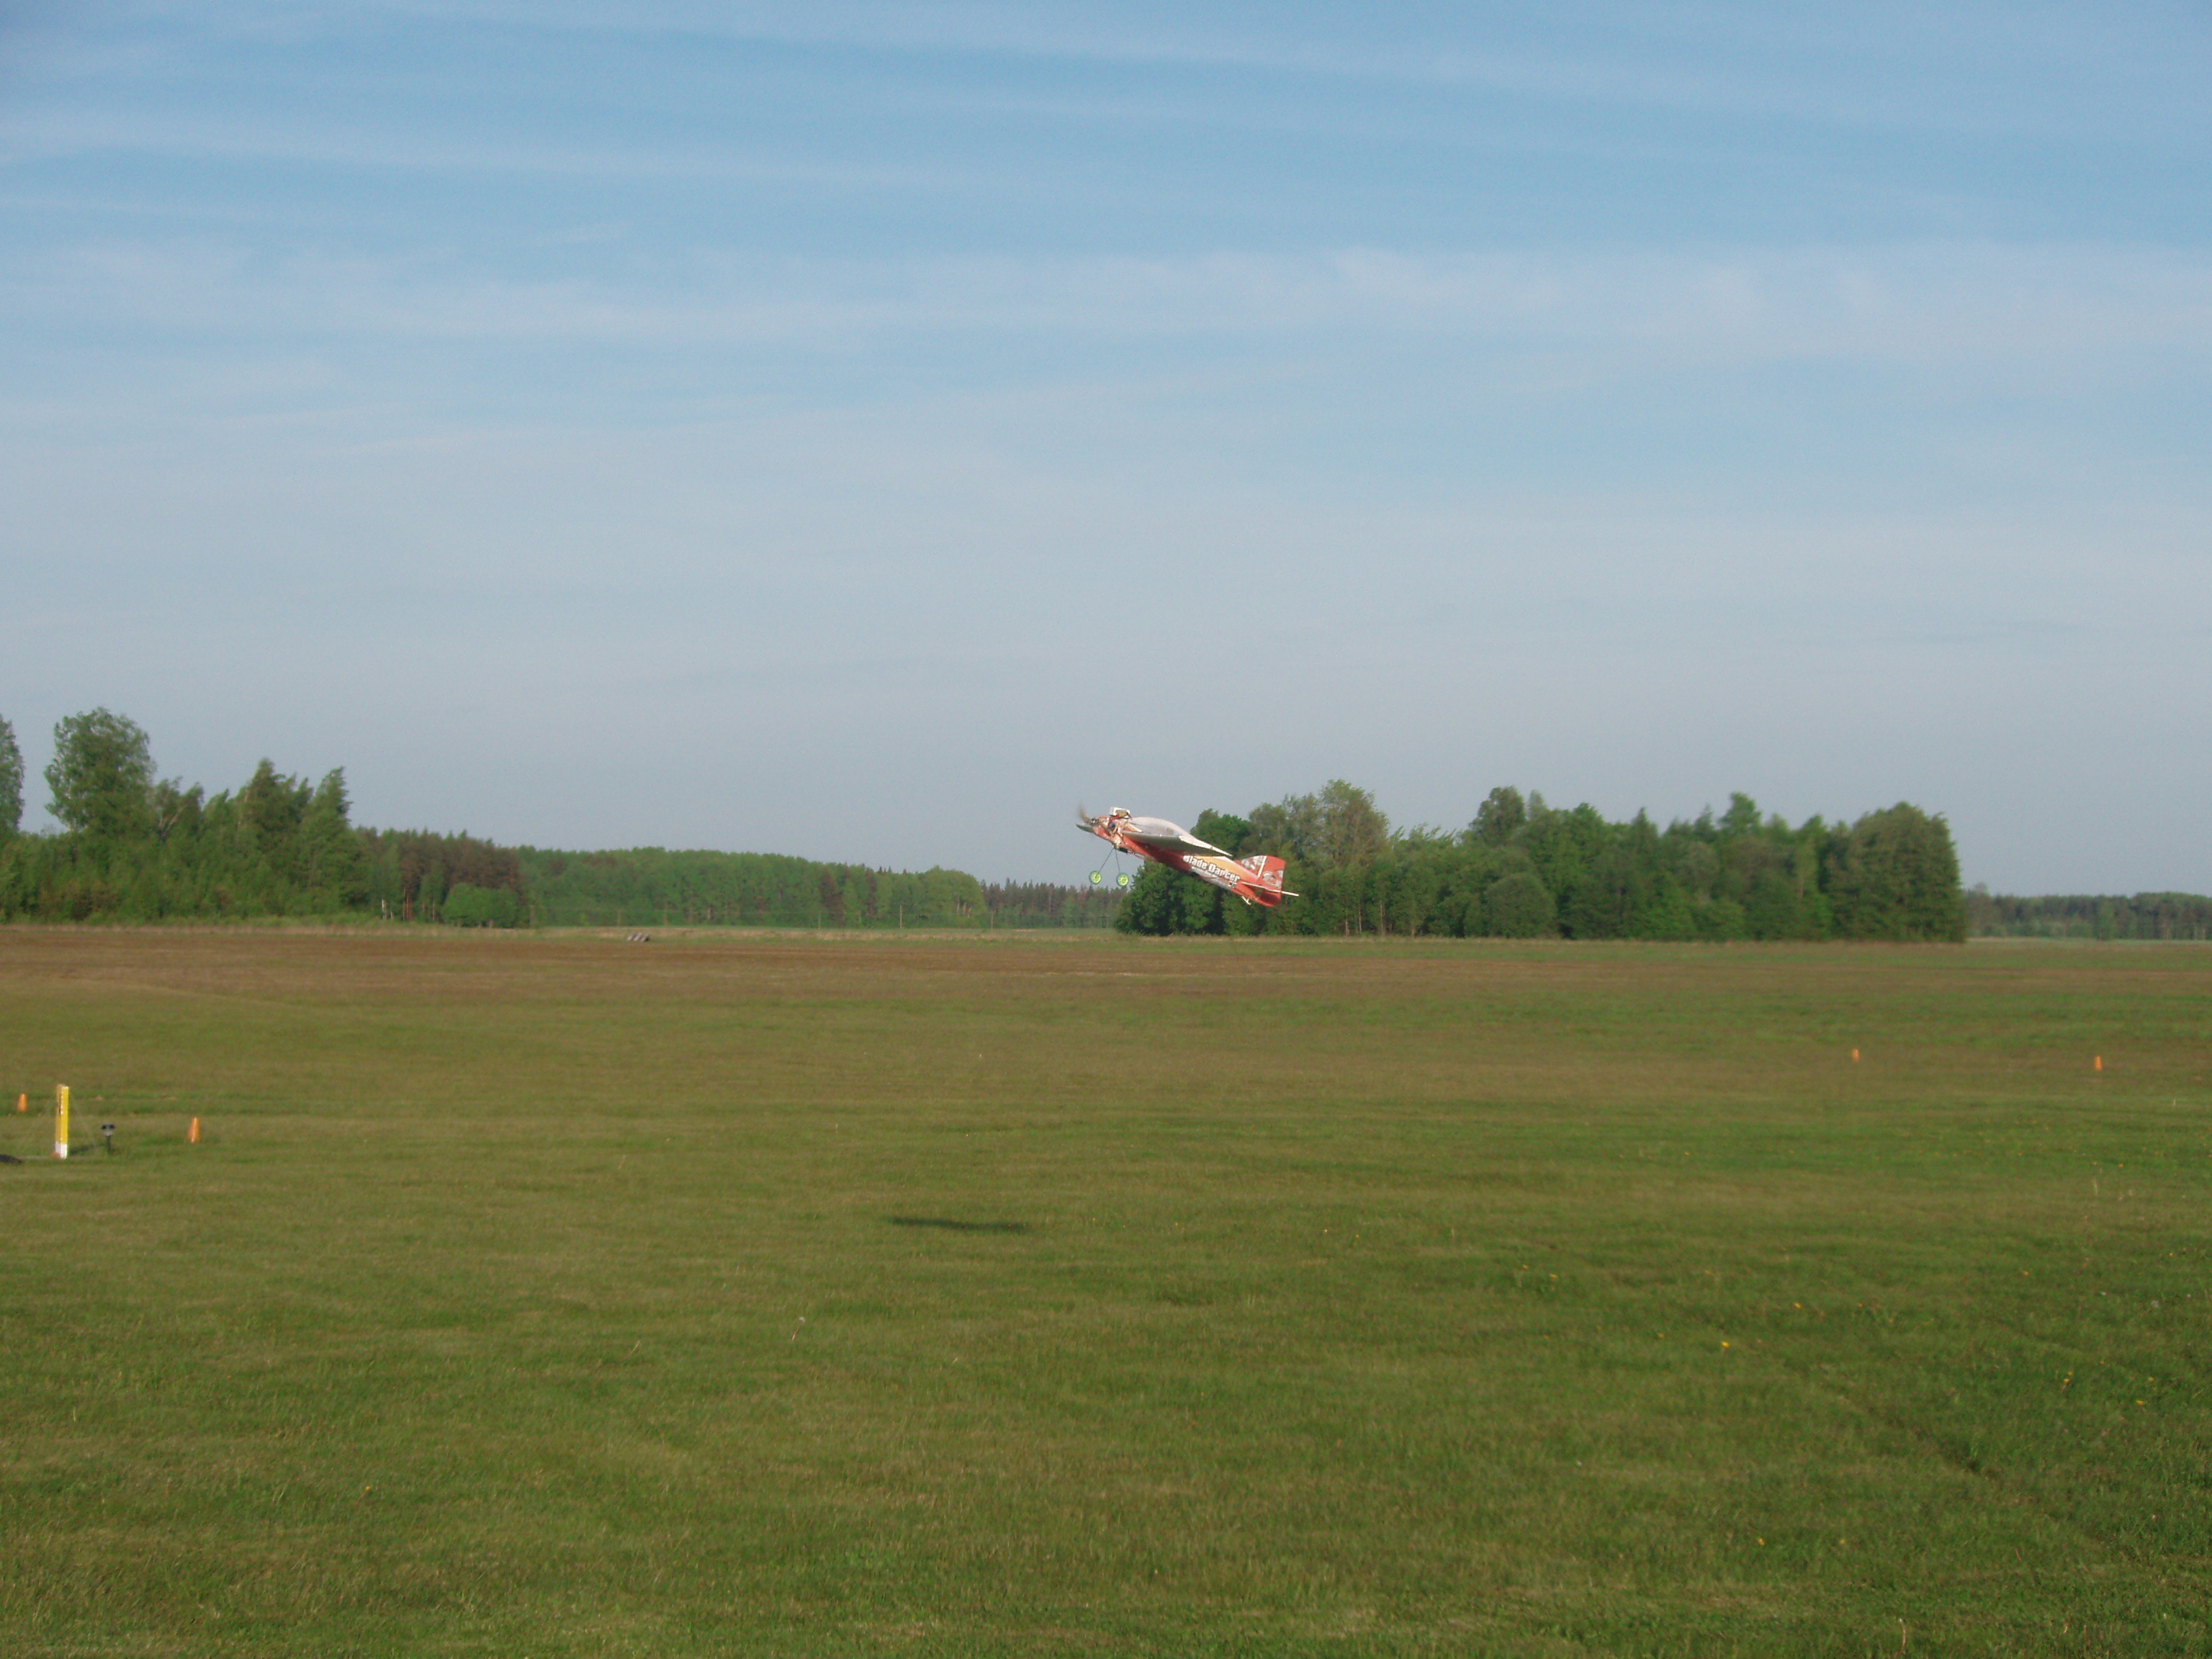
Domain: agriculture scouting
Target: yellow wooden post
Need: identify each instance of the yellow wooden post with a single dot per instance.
(61, 1119)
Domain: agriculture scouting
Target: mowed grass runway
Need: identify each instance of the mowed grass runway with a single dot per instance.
(1027, 1295)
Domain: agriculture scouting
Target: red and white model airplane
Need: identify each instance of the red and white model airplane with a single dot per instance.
(1257, 880)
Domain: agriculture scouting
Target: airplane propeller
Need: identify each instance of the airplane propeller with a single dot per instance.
(1121, 878)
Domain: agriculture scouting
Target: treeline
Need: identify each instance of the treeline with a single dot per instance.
(419, 875)
(133, 848)
(2146, 916)
(1050, 904)
(648, 885)
(1523, 869)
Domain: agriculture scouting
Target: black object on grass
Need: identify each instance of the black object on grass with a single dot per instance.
(952, 1226)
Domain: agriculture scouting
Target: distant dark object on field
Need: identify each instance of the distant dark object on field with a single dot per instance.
(639, 939)
(946, 1224)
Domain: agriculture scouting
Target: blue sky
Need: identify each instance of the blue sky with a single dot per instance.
(863, 431)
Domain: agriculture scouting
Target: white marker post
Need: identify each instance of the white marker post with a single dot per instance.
(61, 1119)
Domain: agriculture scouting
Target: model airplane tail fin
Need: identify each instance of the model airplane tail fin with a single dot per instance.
(1268, 868)
(1266, 886)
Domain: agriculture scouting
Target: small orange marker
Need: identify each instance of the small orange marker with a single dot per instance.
(2100, 1063)
(1854, 1054)
(22, 1103)
(193, 1134)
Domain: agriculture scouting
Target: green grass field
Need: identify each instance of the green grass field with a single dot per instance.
(1037, 1295)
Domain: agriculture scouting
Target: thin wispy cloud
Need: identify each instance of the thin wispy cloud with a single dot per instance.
(387, 148)
(1920, 305)
(1775, 62)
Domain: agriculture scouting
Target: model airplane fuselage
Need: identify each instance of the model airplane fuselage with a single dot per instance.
(1257, 880)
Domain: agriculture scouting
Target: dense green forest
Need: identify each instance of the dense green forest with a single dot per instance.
(2146, 916)
(133, 848)
(646, 884)
(1523, 870)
